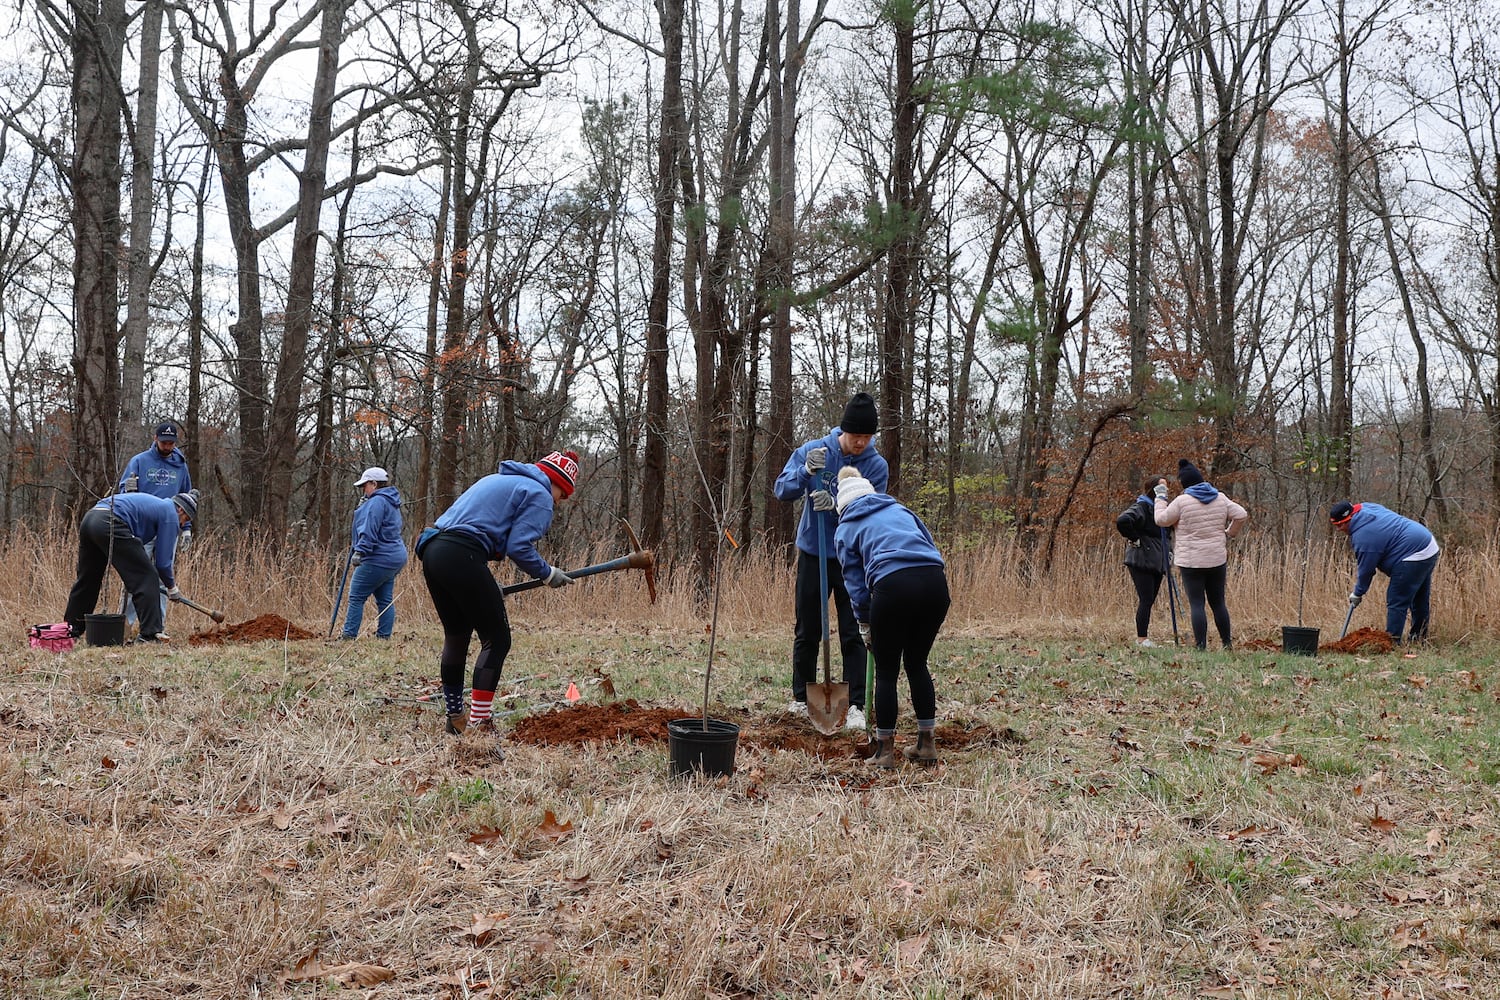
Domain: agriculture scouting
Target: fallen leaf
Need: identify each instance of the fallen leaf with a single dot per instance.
(108, 763)
(550, 829)
(1342, 911)
(483, 927)
(460, 861)
(1250, 832)
(1038, 877)
(390, 761)
(1418, 681)
(338, 827)
(1380, 824)
(1434, 839)
(911, 949)
(663, 848)
(1411, 934)
(281, 817)
(485, 835)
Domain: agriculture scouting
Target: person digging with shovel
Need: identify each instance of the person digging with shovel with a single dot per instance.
(116, 532)
(1399, 547)
(501, 516)
(899, 590)
(809, 474)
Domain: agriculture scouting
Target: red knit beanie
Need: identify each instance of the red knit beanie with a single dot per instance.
(562, 468)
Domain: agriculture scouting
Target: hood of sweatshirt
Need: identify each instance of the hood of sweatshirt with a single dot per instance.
(1202, 492)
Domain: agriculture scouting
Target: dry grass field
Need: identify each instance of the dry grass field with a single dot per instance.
(286, 818)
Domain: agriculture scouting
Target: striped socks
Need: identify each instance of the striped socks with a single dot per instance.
(479, 706)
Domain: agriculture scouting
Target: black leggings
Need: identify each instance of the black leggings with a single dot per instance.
(1201, 584)
(1147, 586)
(907, 608)
(468, 601)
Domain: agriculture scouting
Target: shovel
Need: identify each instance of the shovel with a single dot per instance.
(827, 703)
(1347, 619)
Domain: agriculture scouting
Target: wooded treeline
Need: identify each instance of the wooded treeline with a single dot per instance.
(1062, 244)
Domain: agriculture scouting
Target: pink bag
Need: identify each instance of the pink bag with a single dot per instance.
(57, 637)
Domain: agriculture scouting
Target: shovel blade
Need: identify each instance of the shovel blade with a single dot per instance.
(827, 706)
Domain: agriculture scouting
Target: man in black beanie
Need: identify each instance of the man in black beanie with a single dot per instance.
(812, 473)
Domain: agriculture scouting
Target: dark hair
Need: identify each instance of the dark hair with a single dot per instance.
(1151, 484)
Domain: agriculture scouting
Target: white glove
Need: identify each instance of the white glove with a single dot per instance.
(132, 484)
(822, 500)
(817, 460)
(1160, 491)
(864, 633)
(354, 558)
(1354, 600)
(174, 594)
(185, 539)
(557, 578)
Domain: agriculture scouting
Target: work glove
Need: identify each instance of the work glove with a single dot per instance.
(132, 484)
(557, 578)
(354, 558)
(864, 634)
(1354, 600)
(822, 500)
(173, 594)
(1160, 491)
(817, 461)
(185, 539)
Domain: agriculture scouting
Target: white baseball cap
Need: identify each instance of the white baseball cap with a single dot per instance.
(374, 474)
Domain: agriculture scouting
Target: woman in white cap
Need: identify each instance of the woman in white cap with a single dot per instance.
(378, 554)
(899, 590)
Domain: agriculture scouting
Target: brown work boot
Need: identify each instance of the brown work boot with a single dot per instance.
(924, 754)
(456, 724)
(885, 753)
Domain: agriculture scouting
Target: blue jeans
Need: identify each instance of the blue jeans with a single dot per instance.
(1410, 589)
(370, 581)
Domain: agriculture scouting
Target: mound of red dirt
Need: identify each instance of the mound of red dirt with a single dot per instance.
(1361, 640)
(619, 720)
(255, 630)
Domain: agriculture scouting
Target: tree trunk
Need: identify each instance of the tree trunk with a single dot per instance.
(95, 176)
(896, 303)
(142, 198)
(281, 453)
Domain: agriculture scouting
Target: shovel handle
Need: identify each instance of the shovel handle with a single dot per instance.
(636, 560)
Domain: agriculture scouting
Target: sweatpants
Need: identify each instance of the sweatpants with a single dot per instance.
(468, 602)
(1410, 589)
(907, 608)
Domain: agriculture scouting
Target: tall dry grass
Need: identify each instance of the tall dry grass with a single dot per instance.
(1086, 589)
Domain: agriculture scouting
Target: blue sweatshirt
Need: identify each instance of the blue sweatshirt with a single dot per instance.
(507, 513)
(1382, 538)
(377, 529)
(876, 537)
(159, 475)
(794, 483)
(149, 518)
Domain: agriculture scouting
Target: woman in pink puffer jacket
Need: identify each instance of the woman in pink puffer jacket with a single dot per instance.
(1205, 520)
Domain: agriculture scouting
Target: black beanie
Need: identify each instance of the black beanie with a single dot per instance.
(860, 416)
(1188, 474)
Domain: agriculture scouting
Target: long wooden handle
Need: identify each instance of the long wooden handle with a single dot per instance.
(642, 559)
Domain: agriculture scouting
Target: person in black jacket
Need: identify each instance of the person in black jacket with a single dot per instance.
(1148, 555)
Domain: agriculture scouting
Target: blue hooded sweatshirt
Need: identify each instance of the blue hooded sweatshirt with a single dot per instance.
(794, 483)
(1381, 539)
(507, 513)
(151, 519)
(160, 475)
(377, 529)
(876, 537)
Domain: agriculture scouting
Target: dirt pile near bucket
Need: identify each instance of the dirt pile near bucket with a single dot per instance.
(582, 724)
(1362, 640)
(255, 630)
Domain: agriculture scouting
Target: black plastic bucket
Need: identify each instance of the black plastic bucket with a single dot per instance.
(709, 751)
(1302, 641)
(104, 630)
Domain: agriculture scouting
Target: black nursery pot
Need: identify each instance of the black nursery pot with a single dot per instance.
(705, 750)
(104, 630)
(1302, 641)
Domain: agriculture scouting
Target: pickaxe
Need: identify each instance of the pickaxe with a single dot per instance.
(638, 559)
(216, 615)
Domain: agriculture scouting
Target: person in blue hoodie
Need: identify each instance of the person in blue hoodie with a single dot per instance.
(378, 553)
(899, 590)
(115, 532)
(810, 475)
(162, 471)
(501, 516)
(1399, 547)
